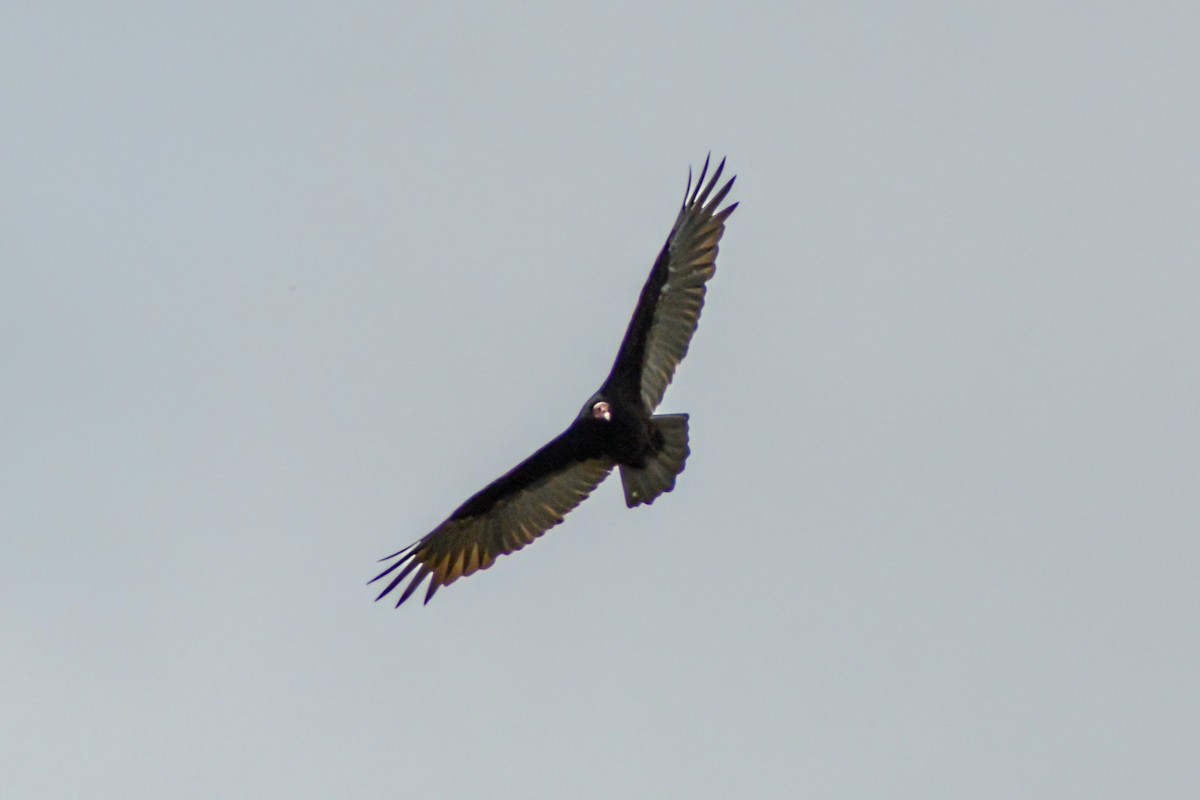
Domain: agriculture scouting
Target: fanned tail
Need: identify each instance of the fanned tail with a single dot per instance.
(658, 476)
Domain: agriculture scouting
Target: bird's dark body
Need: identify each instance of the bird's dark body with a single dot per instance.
(615, 428)
(628, 439)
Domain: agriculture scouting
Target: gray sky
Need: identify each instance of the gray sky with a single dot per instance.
(283, 286)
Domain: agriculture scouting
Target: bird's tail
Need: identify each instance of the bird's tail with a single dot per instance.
(658, 476)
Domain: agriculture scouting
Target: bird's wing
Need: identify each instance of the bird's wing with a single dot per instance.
(668, 309)
(508, 514)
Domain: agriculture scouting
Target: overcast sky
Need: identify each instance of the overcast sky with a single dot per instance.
(283, 284)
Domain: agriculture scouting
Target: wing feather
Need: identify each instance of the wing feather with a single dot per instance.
(506, 516)
(668, 310)
(692, 261)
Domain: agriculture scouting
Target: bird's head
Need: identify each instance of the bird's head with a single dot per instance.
(602, 410)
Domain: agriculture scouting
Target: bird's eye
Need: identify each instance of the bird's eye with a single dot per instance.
(602, 410)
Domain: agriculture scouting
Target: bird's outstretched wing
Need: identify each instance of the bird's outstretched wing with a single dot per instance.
(668, 309)
(505, 516)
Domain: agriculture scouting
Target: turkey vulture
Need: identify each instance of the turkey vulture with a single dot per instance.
(615, 427)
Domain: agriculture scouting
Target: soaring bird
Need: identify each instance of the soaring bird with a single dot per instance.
(616, 426)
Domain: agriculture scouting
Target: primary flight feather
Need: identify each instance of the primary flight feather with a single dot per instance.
(615, 428)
